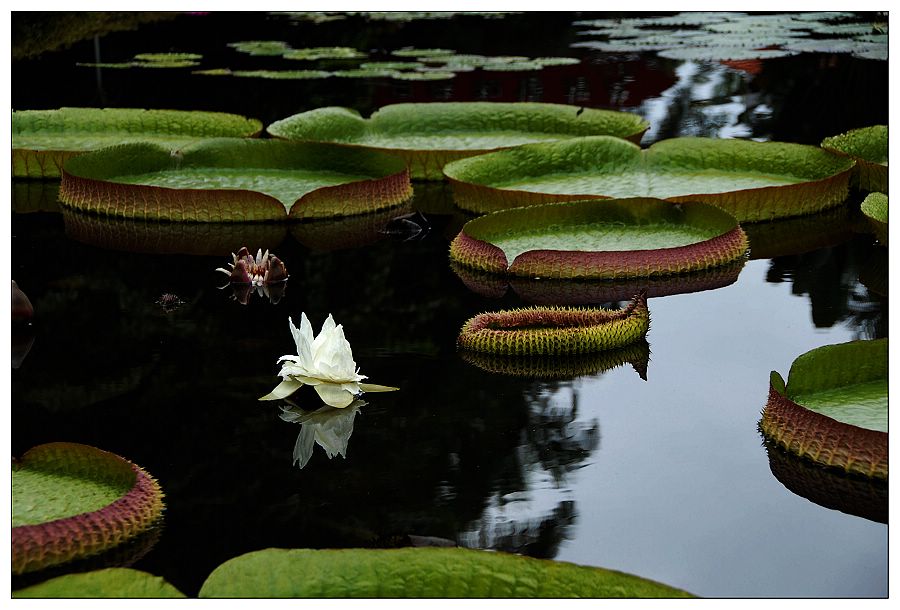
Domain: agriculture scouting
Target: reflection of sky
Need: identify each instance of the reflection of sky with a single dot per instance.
(648, 502)
(704, 101)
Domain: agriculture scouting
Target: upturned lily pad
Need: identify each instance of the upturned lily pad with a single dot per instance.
(875, 208)
(750, 180)
(869, 146)
(834, 408)
(111, 582)
(563, 367)
(231, 180)
(43, 140)
(555, 331)
(73, 501)
(600, 239)
(427, 136)
(417, 573)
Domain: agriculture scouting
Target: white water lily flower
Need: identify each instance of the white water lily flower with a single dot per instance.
(324, 362)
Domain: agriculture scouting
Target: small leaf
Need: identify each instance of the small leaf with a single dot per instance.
(372, 387)
(283, 390)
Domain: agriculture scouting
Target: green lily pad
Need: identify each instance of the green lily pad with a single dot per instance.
(43, 140)
(427, 136)
(364, 73)
(751, 180)
(167, 57)
(875, 208)
(869, 146)
(281, 74)
(721, 53)
(111, 582)
(391, 65)
(269, 48)
(423, 75)
(834, 407)
(555, 331)
(231, 179)
(73, 501)
(600, 239)
(314, 53)
(417, 573)
(413, 52)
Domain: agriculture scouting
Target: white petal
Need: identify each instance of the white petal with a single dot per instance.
(283, 390)
(334, 395)
(371, 387)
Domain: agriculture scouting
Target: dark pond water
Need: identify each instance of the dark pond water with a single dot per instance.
(652, 468)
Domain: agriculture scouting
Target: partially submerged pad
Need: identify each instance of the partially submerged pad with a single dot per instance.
(427, 136)
(869, 146)
(750, 180)
(551, 331)
(426, 572)
(834, 408)
(600, 239)
(73, 501)
(875, 208)
(43, 140)
(234, 180)
(108, 583)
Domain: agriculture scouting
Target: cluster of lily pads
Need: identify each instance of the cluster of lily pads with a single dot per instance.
(725, 36)
(567, 196)
(408, 63)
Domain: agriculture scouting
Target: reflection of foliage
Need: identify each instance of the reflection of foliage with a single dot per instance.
(830, 277)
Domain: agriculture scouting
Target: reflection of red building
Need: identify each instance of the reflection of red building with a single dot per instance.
(609, 84)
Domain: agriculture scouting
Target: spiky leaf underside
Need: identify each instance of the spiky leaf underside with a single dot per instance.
(600, 239)
(426, 572)
(427, 136)
(107, 583)
(833, 409)
(750, 180)
(72, 501)
(563, 367)
(234, 180)
(551, 331)
(43, 140)
(869, 146)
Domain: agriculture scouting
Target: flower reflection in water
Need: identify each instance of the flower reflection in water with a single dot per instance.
(329, 427)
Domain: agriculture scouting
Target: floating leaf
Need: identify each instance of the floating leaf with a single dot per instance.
(427, 136)
(213, 72)
(600, 239)
(424, 75)
(229, 180)
(261, 47)
(413, 52)
(722, 53)
(167, 57)
(391, 65)
(313, 53)
(875, 207)
(555, 331)
(833, 409)
(869, 146)
(751, 180)
(364, 73)
(73, 501)
(282, 74)
(111, 582)
(43, 140)
(417, 573)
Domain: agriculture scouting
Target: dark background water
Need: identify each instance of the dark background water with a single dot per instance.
(663, 474)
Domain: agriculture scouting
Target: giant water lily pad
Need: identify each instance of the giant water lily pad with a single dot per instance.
(834, 407)
(869, 146)
(600, 239)
(427, 136)
(555, 331)
(875, 209)
(751, 180)
(43, 140)
(108, 583)
(231, 179)
(73, 501)
(417, 573)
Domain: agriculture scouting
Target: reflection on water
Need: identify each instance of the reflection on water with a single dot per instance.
(328, 427)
